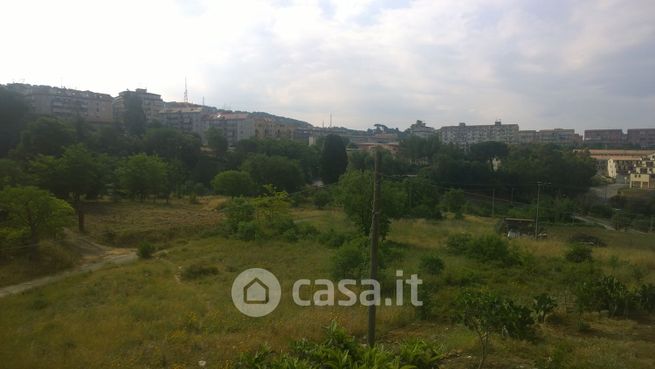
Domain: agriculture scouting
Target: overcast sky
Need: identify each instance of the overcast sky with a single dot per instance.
(542, 63)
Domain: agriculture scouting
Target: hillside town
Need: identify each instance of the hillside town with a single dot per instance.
(623, 157)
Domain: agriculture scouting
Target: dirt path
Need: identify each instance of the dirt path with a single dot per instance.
(94, 257)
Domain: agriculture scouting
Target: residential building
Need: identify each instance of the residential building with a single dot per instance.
(559, 136)
(604, 137)
(66, 103)
(421, 130)
(603, 156)
(187, 117)
(644, 137)
(152, 103)
(234, 126)
(268, 129)
(527, 136)
(619, 169)
(464, 136)
(643, 174)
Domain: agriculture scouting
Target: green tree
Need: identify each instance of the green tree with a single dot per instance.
(284, 174)
(45, 136)
(142, 175)
(171, 144)
(486, 152)
(355, 193)
(233, 183)
(334, 159)
(11, 174)
(216, 141)
(34, 212)
(487, 313)
(454, 201)
(13, 110)
(134, 118)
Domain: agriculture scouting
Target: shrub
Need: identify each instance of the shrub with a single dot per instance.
(340, 350)
(322, 198)
(484, 248)
(238, 211)
(542, 306)
(145, 251)
(646, 297)
(195, 271)
(605, 293)
(432, 264)
(350, 260)
(306, 230)
(578, 253)
(333, 238)
(247, 231)
(487, 313)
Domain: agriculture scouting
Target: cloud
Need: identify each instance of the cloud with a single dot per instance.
(541, 64)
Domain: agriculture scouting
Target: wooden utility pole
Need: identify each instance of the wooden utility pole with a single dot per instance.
(493, 203)
(536, 221)
(375, 235)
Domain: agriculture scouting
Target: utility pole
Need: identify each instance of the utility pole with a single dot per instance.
(536, 222)
(375, 234)
(493, 203)
(651, 224)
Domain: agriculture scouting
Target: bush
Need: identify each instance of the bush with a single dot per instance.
(646, 297)
(247, 231)
(601, 210)
(341, 350)
(432, 264)
(484, 248)
(322, 198)
(350, 260)
(238, 211)
(145, 251)
(306, 230)
(578, 253)
(195, 271)
(543, 305)
(605, 293)
(332, 238)
(426, 212)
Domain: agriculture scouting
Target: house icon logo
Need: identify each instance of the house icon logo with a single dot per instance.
(256, 292)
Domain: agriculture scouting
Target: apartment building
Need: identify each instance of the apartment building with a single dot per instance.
(66, 103)
(187, 117)
(152, 103)
(644, 137)
(558, 136)
(266, 128)
(420, 129)
(642, 175)
(234, 126)
(603, 157)
(464, 136)
(604, 137)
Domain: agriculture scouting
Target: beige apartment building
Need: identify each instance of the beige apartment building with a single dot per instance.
(642, 175)
(152, 103)
(464, 136)
(66, 103)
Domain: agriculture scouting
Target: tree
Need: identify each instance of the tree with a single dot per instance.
(11, 174)
(34, 212)
(487, 313)
(334, 159)
(486, 152)
(13, 110)
(134, 118)
(171, 144)
(454, 201)
(46, 136)
(233, 183)
(216, 141)
(355, 193)
(282, 173)
(142, 175)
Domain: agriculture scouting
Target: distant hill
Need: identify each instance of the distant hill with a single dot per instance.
(275, 118)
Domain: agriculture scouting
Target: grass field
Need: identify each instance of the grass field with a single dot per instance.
(147, 315)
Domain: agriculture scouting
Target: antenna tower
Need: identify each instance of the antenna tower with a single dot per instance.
(186, 92)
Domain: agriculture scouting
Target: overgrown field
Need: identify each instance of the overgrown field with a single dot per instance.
(175, 310)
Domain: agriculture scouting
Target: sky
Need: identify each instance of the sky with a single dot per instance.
(541, 64)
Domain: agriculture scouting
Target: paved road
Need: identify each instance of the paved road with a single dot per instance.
(591, 220)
